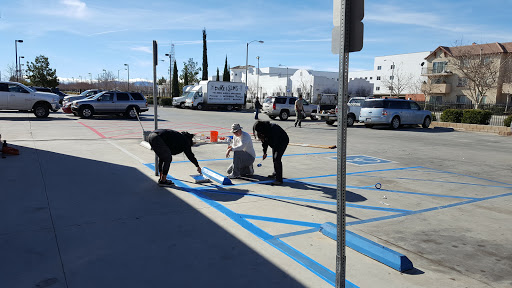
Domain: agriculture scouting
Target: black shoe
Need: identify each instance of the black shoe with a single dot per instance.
(165, 183)
(277, 183)
(272, 176)
(295, 124)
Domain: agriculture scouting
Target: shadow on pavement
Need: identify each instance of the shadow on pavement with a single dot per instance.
(74, 222)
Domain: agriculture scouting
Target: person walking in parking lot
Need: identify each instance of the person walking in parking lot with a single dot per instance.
(257, 106)
(243, 153)
(299, 110)
(272, 135)
(165, 143)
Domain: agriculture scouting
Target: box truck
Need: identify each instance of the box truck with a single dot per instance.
(216, 94)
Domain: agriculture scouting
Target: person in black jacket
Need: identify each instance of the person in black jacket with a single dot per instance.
(272, 135)
(257, 106)
(165, 143)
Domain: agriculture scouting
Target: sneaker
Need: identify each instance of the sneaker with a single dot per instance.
(231, 176)
(273, 175)
(277, 183)
(165, 183)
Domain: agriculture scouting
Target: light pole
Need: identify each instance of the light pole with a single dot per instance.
(247, 64)
(392, 75)
(258, 81)
(16, 48)
(105, 78)
(90, 75)
(170, 73)
(128, 76)
(118, 77)
(286, 92)
(19, 61)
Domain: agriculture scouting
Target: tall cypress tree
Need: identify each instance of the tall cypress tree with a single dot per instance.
(175, 83)
(205, 57)
(218, 77)
(225, 76)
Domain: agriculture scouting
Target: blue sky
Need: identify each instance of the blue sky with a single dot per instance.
(81, 36)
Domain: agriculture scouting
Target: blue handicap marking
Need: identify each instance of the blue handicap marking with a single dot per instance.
(364, 160)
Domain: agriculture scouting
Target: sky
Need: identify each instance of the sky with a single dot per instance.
(86, 36)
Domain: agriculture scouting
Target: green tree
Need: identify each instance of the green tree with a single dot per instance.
(161, 81)
(205, 57)
(189, 72)
(225, 76)
(175, 83)
(218, 77)
(40, 74)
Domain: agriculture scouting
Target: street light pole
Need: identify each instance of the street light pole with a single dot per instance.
(247, 64)
(258, 81)
(286, 92)
(128, 76)
(19, 65)
(16, 48)
(170, 73)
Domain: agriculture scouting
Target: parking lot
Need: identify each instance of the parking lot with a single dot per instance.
(438, 196)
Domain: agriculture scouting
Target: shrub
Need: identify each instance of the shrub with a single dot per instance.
(508, 120)
(150, 100)
(166, 101)
(472, 116)
(452, 115)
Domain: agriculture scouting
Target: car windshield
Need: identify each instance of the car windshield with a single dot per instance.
(268, 100)
(373, 104)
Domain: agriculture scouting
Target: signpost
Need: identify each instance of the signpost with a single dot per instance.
(155, 92)
(347, 36)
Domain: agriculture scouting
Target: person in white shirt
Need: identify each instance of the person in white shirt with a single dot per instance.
(243, 153)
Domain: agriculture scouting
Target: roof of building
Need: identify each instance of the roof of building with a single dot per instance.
(475, 49)
(242, 67)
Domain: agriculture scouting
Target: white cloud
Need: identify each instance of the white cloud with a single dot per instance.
(145, 49)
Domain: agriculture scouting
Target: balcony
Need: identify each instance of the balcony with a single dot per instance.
(437, 88)
(438, 71)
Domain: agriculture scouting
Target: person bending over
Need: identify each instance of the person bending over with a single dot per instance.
(272, 135)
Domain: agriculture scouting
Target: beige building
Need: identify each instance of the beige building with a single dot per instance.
(478, 73)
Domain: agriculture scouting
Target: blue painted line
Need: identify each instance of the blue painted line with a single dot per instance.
(436, 181)
(279, 220)
(231, 159)
(508, 184)
(308, 263)
(365, 246)
(412, 193)
(426, 210)
(302, 232)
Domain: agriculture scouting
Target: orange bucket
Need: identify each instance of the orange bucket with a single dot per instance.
(213, 136)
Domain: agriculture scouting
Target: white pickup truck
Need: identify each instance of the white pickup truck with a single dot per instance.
(16, 96)
(354, 107)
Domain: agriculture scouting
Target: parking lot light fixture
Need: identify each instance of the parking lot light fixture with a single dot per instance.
(247, 64)
(286, 92)
(128, 68)
(16, 48)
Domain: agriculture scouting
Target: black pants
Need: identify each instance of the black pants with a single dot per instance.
(277, 155)
(162, 151)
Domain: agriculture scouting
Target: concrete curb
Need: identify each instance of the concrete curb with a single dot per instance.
(212, 175)
(500, 130)
(369, 248)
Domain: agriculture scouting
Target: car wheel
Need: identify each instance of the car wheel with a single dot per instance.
(368, 125)
(182, 105)
(41, 111)
(199, 106)
(395, 122)
(283, 115)
(350, 120)
(426, 122)
(229, 107)
(272, 117)
(329, 122)
(313, 117)
(130, 113)
(86, 112)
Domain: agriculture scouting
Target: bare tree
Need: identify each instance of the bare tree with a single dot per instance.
(426, 87)
(304, 87)
(11, 72)
(400, 81)
(481, 69)
(280, 90)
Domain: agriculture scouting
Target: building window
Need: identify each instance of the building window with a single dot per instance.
(379, 67)
(378, 77)
(365, 78)
(392, 67)
(484, 100)
(439, 67)
(377, 88)
(371, 78)
(235, 74)
(462, 99)
(462, 82)
(391, 77)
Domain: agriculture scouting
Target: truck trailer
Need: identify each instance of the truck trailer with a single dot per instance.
(216, 94)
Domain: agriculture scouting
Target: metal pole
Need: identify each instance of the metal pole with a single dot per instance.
(342, 144)
(246, 64)
(128, 66)
(258, 81)
(287, 80)
(155, 99)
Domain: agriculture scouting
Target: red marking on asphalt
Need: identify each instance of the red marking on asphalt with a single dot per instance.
(94, 130)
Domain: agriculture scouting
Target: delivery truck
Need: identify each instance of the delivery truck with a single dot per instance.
(216, 94)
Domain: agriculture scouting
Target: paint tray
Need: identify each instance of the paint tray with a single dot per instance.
(198, 178)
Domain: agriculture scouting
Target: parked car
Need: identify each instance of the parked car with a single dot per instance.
(284, 107)
(393, 112)
(47, 90)
(16, 96)
(179, 101)
(60, 93)
(130, 104)
(331, 115)
(68, 100)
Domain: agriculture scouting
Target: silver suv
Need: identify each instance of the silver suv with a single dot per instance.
(16, 96)
(284, 107)
(393, 112)
(111, 102)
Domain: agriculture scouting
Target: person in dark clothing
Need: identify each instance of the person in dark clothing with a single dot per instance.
(257, 106)
(165, 143)
(272, 135)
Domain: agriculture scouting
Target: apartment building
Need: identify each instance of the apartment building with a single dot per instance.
(460, 74)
